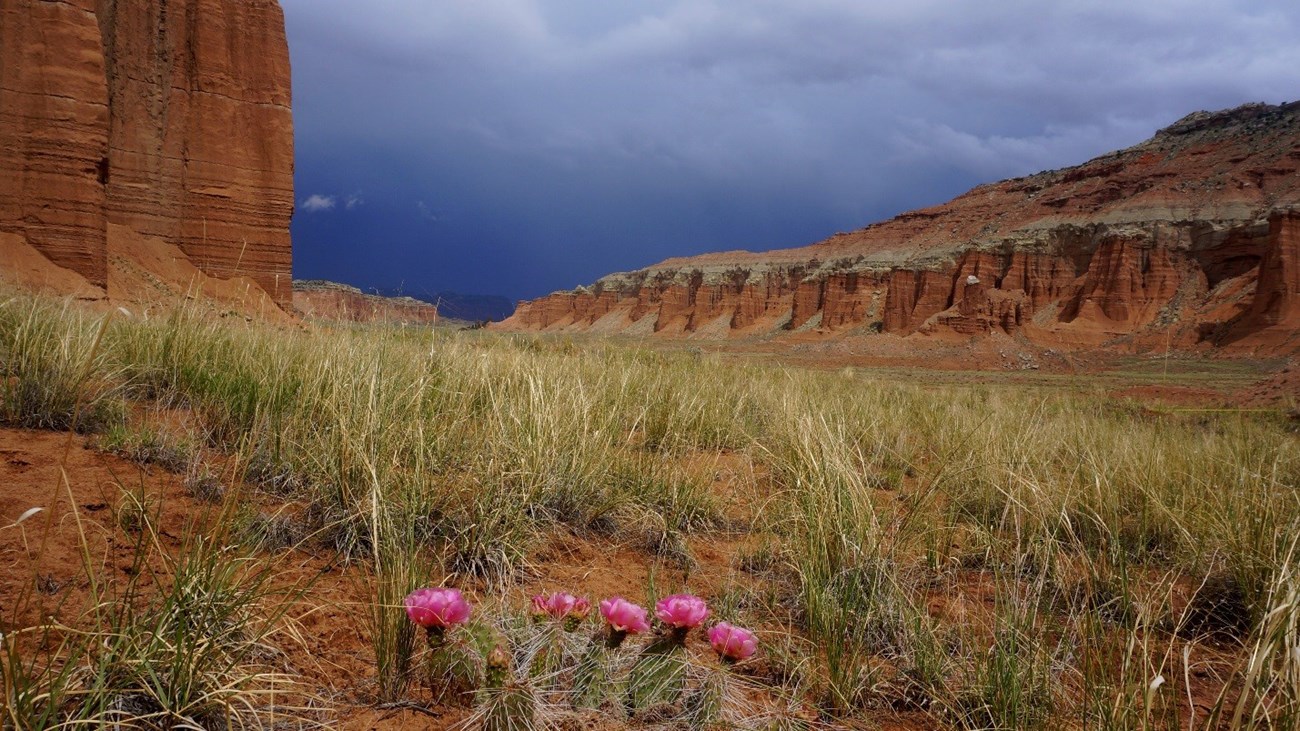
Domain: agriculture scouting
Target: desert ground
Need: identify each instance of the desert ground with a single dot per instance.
(231, 513)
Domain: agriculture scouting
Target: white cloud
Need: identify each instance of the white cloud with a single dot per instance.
(315, 203)
(353, 200)
(992, 157)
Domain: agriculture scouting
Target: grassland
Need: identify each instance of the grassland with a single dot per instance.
(973, 556)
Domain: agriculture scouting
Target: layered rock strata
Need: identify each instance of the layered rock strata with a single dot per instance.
(170, 118)
(322, 300)
(1189, 238)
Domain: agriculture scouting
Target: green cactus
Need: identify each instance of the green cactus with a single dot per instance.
(704, 706)
(659, 675)
(549, 659)
(592, 675)
(455, 667)
(506, 705)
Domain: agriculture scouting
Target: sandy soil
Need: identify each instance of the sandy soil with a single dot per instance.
(146, 276)
(44, 561)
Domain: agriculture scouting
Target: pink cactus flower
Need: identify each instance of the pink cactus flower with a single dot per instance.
(682, 611)
(732, 643)
(437, 608)
(561, 605)
(624, 616)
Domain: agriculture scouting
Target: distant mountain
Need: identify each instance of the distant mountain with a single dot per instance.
(324, 300)
(1188, 240)
(457, 305)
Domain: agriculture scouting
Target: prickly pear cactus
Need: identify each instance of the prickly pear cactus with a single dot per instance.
(659, 675)
(455, 668)
(591, 677)
(549, 658)
(704, 705)
(506, 704)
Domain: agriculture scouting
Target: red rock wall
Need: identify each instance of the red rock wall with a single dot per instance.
(914, 296)
(765, 300)
(54, 121)
(847, 299)
(1118, 286)
(1277, 294)
(1043, 279)
(171, 117)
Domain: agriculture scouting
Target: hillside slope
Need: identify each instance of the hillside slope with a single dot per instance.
(1191, 238)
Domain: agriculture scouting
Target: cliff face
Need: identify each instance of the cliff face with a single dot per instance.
(323, 300)
(168, 118)
(1190, 238)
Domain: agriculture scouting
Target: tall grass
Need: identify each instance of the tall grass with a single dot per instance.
(1111, 543)
(52, 375)
(187, 640)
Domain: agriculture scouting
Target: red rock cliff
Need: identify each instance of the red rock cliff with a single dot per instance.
(170, 118)
(1191, 237)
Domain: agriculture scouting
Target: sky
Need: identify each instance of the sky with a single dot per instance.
(517, 147)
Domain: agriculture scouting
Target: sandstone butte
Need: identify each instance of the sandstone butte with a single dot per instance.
(146, 145)
(1190, 239)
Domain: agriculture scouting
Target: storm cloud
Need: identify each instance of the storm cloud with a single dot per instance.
(520, 146)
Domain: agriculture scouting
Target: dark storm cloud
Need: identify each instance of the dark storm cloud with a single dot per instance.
(518, 146)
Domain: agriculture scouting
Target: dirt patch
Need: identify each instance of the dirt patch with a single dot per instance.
(47, 558)
(1171, 395)
(29, 269)
(1282, 389)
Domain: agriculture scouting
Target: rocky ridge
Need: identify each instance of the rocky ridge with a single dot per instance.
(325, 300)
(163, 119)
(1190, 239)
